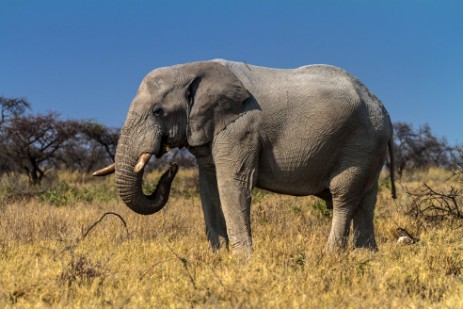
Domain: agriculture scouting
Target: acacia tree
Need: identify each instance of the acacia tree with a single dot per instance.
(12, 107)
(9, 109)
(93, 146)
(105, 138)
(421, 149)
(32, 141)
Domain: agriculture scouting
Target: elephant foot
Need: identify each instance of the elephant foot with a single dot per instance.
(242, 252)
(368, 243)
(216, 242)
(335, 246)
(338, 239)
(241, 245)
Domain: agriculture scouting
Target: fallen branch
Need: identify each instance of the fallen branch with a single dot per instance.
(151, 268)
(102, 217)
(435, 205)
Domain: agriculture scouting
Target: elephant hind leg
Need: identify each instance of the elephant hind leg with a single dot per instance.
(347, 189)
(340, 225)
(362, 216)
(364, 233)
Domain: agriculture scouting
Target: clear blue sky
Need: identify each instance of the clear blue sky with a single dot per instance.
(85, 59)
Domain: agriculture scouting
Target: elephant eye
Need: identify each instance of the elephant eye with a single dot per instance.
(157, 111)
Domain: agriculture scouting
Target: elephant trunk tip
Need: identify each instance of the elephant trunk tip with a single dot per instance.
(163, 188)
(147, 204)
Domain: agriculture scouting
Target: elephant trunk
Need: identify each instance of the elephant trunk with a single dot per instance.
(129, 183)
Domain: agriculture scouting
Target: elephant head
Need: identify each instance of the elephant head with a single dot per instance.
(178, 106)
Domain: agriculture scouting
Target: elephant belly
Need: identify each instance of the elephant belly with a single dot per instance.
(293, 174)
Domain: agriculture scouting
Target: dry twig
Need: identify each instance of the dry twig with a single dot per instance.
(102, 217)
(434, 205)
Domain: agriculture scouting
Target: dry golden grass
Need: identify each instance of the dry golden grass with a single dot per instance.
(163, 261)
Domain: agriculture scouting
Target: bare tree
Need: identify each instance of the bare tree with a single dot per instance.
(104, 136)
(9, 109)
(33, 140)
(417, 149)
(93, 146)
(12, 107)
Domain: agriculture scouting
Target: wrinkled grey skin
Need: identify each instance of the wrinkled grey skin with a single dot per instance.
(314, 130)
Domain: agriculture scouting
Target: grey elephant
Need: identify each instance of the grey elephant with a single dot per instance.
(314, 130)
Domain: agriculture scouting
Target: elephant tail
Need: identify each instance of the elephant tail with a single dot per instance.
(390, 145)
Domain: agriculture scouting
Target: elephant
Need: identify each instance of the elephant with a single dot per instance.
(314, 130)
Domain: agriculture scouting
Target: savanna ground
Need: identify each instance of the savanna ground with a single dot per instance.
(51, 256)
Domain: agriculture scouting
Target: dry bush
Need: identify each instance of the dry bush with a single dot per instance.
(45, 260)
(436, 205)
(435, 197)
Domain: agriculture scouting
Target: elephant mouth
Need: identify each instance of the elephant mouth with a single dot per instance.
(139, 166)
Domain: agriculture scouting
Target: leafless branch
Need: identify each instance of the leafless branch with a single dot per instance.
(434, 205)
(185, 265)
(102, 217)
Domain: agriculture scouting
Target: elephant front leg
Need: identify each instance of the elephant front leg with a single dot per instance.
(235, 197)
(235, 151)
(236, 173)
(216, 230)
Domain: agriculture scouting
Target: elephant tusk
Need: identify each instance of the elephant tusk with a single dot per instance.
(106, 170)
(142, 161)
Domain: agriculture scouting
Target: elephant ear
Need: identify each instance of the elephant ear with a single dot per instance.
(216, 99)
